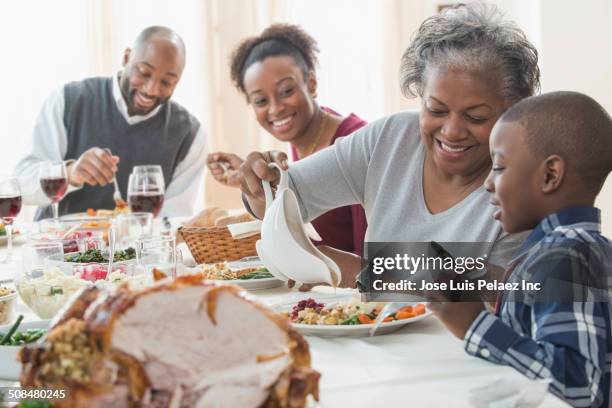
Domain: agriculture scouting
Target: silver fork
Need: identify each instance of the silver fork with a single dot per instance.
(117, 193)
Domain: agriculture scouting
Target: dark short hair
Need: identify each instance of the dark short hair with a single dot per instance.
(276, 40)
(476, 38)
(572, 125)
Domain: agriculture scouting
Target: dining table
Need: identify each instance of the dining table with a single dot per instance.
(420, 365)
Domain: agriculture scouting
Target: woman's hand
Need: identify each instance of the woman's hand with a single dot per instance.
(253, 170)
(225, 168)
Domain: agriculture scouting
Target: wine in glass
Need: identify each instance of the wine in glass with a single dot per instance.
(146, 189)
(10, 205)
(54, 183)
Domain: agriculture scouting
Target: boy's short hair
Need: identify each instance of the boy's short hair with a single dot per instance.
(572, 125)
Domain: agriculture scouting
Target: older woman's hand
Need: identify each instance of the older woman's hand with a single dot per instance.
(254, 169)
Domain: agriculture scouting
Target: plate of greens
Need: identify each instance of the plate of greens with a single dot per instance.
(14, 336)
(249, 275)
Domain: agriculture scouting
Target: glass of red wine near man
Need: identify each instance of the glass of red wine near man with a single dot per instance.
(10, 205)
(54, 183)
(146, 189)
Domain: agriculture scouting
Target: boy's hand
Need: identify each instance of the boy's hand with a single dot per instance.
(456, 316)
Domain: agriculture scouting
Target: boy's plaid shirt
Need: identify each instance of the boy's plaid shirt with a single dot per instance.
(563, 331)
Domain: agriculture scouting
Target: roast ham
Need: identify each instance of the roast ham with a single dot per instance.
(184, 343)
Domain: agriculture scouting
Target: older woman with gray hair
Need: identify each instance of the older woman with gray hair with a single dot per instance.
(419, 176)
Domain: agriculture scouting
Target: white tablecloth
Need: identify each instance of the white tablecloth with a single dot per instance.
(422, 365)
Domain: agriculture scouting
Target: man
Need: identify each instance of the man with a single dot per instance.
(129, 115)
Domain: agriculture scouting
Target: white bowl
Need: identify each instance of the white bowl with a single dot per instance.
(72, 268)
(10, 367)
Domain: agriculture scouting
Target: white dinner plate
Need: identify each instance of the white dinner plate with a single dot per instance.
(339, 330)
(248, 284)
(256, 284)
(358, 330)
(10, 368)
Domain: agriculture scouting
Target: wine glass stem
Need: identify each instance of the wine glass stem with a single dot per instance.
(56, 212)
(9, 241)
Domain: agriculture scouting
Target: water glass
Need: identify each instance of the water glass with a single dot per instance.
(157, 256)
(132, 227)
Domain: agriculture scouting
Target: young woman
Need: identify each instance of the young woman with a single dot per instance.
(276, 73)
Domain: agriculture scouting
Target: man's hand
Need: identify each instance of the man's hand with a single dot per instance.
(94, 167)
(457, 316)
(225, 168)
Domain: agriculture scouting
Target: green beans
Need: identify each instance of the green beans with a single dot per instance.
(261, 273)
(12, 330)
(17, 338)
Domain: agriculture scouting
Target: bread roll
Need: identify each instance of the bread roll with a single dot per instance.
(233, 219)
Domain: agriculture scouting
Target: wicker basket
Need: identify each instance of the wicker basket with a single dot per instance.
(215, 244)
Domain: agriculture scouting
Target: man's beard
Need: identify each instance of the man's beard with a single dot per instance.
(129, 95)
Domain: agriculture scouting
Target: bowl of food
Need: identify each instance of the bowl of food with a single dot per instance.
(12, 338)
(76, 241)
(92, 264)
(47, 292)
(8, 301)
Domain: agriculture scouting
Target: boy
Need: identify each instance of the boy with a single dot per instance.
(551, 155)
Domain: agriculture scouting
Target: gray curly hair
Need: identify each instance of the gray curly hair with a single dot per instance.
(472, 37)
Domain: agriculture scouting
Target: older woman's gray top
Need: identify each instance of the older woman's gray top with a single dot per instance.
(381, 167)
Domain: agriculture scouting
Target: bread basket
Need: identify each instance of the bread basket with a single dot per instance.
(215, 244)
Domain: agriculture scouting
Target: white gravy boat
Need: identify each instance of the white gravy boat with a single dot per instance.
(285, 247)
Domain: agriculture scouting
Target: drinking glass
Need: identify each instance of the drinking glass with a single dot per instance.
(54, 183)
(10, 205)
(157, 256)
(134, 226)
(146, 189)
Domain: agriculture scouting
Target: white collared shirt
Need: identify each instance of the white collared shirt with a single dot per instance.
(184, 193)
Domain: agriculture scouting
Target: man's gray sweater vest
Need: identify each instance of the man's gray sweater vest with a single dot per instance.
(92, 119)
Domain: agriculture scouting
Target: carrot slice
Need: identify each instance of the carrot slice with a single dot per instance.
(408, 309)
(419, 309)
(399, 315)
(388, 319)
(364, 319)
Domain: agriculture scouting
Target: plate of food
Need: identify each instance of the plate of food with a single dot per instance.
(12, 337)
(252, 277)
(348, 318)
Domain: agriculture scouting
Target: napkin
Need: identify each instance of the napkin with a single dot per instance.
(244, 229)
(510, 393)
(247, 229)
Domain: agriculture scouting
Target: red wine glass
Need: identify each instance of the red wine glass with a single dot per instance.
(10, 205)
(54, 183)
(146, 189)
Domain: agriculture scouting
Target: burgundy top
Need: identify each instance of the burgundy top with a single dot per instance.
(344, 227)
